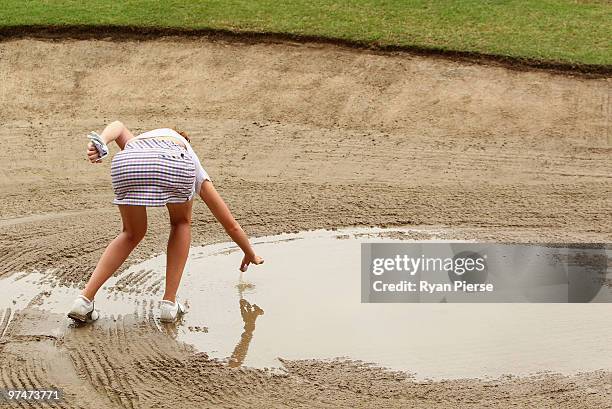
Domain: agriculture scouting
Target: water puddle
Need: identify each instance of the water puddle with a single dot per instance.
(304, 302)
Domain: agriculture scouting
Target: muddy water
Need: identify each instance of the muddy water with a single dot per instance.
(304, 302)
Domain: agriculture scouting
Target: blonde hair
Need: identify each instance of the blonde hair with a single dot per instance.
(183, 134)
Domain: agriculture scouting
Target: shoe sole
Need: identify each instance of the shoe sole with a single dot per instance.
(82, 318)
(178, 316)
(77, 317)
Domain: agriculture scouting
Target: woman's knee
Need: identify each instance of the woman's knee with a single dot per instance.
(182, 221)
(134, 236)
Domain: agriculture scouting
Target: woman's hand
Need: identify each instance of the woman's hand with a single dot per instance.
(92, 153)
(248, 259)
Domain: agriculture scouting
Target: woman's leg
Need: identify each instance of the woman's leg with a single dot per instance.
(134, 228)
(178, 246)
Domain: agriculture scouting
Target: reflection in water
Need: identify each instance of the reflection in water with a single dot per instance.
(249, 315)
(171, 329)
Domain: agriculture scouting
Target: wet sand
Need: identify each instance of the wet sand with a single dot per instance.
(295, 137)
(246, 318)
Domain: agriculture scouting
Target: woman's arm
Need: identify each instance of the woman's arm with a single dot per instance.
(115, 131)
(219, 209)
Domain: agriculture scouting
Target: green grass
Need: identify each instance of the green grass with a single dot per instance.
(577, 32)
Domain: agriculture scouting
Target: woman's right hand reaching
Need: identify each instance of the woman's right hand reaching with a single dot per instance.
(248, 259)
(92, 153)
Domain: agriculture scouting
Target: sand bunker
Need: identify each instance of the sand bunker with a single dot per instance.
(296, 137)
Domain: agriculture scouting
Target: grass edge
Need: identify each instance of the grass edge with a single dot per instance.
(145, 33)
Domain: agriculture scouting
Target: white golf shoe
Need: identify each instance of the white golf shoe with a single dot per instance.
(83, 310)
(170, 311)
